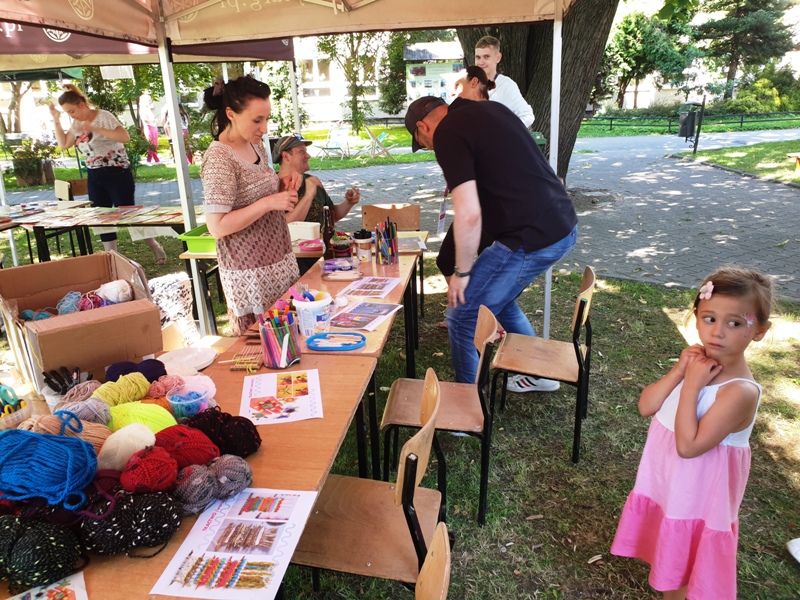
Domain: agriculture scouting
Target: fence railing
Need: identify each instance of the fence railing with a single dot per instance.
(672, 123)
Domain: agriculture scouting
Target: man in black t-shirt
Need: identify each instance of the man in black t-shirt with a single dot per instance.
(502, 185)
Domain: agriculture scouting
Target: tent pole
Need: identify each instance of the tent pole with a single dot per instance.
(555, 120)
(4, 202)
(295, 105)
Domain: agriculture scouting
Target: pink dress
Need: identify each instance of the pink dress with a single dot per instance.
(682, 515)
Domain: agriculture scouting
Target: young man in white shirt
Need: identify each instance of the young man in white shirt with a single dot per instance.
(506, 91)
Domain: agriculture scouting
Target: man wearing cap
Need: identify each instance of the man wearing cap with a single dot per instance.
(502, 186)
(290, 153)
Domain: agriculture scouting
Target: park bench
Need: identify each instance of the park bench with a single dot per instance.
(796, 157)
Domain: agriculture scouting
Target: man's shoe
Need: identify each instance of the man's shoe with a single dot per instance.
(525, 383)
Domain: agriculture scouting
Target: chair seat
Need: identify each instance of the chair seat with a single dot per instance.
(537, 357)
(459, 408)
(346, 508)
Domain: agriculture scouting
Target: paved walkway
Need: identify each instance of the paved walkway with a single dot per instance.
(658, 219)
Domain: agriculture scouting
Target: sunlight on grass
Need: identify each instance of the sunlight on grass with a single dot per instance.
(736, 154)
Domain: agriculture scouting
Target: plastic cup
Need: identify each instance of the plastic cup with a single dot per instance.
(364, 249)
(272, 342)
(188, 400)
(314, 316)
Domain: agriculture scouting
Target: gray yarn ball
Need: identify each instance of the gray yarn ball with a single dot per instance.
(232, 473)
(93, 410)
(196, 488)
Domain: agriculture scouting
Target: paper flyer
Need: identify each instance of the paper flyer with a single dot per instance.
(410, 244)
(364, 315)
(239, 548)
(370, 287)
(69, 588)
(282, 397)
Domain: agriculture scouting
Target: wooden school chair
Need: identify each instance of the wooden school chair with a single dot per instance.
(375, 528)
(434, 577)
(464, 407)
(65, 195)
(567, 362)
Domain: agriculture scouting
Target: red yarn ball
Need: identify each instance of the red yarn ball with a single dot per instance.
(188, 446)
(149, 470)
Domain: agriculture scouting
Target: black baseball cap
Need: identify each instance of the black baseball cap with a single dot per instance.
(285, 144)
(417, 111)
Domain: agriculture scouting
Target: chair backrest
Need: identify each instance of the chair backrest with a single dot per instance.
(434, 577)
(486, 334)
(62, 190)
(371, 135)
(586, 292)
(79, 187)
(405, 216)
(420, 444)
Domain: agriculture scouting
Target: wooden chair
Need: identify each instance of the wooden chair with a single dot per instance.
(65, 194)
(464, 406)
(434, 577)
(375, 528)
(568, 362)
(376, 147)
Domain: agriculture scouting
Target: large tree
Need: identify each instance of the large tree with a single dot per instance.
(751, 32)
(527, 59)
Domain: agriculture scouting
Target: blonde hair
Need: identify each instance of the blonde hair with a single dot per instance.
(72, 95)
(737, 282)
(488, 41)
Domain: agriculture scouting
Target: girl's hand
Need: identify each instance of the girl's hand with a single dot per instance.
(701, 371)
(283, 201)
(688, 356)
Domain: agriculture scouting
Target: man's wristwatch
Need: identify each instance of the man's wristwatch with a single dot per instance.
(458, 273)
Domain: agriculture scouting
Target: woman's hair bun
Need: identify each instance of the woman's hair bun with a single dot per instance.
(212, 102)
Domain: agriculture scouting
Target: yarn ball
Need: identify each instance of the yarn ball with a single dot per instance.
(34, 553)
(136, 521)
(128, 388)
(123, 444)
(188, 446)
(231, 434)
(69, 303)
(160, 387)
(94, 433)
(149, 470)
(203, 380)
(152, 369)
(92, 410)
(195, 489)
(152, 415)
(32, 315)
(118, 369)
(56, 468)
(116, 291)
(233, 474)
(162, 402)
(82, 391)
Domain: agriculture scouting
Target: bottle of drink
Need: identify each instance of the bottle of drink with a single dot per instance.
(327, 233)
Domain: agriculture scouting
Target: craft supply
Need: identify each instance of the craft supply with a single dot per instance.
(187, 445)
(249, 358)
(15, 419)
(203, 380)
(272, 341)
(160, 387)
(233, 474)
(35, 315)
(67, 423)
(231, 434)
(92, 410)
(69, 303)
(122, 444)
(128, 388)
(117, 370)
(152, 370)
(116, 291)
(82, 391)
(186, 401)
(34, 553)
(151, 415)
(162, 402)
(336, 341)
(149, 470)
(35, 465)
(195, 489)
(313, 316)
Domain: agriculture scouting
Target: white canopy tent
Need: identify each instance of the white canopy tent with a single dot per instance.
(173, 24)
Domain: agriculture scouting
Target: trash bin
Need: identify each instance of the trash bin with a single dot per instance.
(688, 120)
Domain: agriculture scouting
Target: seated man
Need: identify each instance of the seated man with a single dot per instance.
(290, 155)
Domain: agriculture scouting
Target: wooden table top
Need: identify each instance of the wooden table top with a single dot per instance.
(293, 456)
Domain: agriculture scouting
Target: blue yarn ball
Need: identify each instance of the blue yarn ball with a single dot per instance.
(69, 303)
(152, 369)
(27, 315)
(117, 370)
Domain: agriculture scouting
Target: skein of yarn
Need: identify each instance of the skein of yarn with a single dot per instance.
(188, 446)
(116, 291)
(69, 303)
(55, 468)
(92, 410)
(82, 391)
(149, 470)
(152, 369)
(231, 434)
(34, 553)
(94, 433)
(118, 369)
(233, 474)
(203, 380)
(128, 388)
(123, 444)
(151, 415)
(160, 387)
(195, 489)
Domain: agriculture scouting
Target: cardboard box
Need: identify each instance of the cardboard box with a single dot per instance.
(90, 339)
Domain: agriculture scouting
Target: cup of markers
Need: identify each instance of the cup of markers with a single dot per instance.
(280, 339)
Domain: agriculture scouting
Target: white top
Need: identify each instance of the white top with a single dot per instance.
(98, 150)
(507, 92)
(666, 414)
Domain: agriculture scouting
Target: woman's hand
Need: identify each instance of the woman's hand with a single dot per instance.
(55, 113)
(283, 201)
(292, 182)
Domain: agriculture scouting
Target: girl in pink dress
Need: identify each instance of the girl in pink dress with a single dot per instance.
(682, 515)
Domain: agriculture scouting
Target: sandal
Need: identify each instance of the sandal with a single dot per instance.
(161, 256)
(442, 325)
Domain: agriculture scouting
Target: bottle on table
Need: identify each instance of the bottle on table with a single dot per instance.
(327, 233)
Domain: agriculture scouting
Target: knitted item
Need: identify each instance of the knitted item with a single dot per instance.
(232, 435)
(33, 553)
(188, 446)
(233, 474)
(149, 470)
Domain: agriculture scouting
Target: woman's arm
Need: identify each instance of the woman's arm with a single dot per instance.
(222, 224)
(118, 134)
(64, 139)
(300, 211)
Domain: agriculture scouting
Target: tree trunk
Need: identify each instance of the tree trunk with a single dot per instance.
(732, 68)
(14, 122)
(623, 88)
(636, 93)
(527, 58)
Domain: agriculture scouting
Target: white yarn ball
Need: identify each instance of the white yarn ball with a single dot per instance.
(122, 444)
(116, 291)
(203, 380)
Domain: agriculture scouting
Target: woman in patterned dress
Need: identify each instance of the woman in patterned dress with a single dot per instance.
(245, 211)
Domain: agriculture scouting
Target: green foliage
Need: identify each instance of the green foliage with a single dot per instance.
(761, 96)
(136, 148)
(278, 78)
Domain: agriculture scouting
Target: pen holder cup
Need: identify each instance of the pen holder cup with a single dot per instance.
(314, 316)
(272, 343)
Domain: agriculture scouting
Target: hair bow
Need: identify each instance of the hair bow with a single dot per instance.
(705, 291)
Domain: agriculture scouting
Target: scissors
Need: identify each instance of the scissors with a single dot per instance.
(8, 409)
(9, 400)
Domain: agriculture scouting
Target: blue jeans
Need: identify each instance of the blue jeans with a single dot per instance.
(110, 186)
(498, 277)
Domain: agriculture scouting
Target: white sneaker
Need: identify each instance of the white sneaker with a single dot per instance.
(525, 383)
(794, 548)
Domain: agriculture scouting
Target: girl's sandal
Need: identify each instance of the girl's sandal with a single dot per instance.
(161, 255)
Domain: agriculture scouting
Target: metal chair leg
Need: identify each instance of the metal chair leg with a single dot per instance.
(576, 439)
(387, 451)
(486, 444)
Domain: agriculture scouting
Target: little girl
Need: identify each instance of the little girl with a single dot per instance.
(682, 515)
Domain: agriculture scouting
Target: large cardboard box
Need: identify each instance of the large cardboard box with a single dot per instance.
(90, 339)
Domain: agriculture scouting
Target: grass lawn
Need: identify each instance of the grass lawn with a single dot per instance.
(765, 160)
